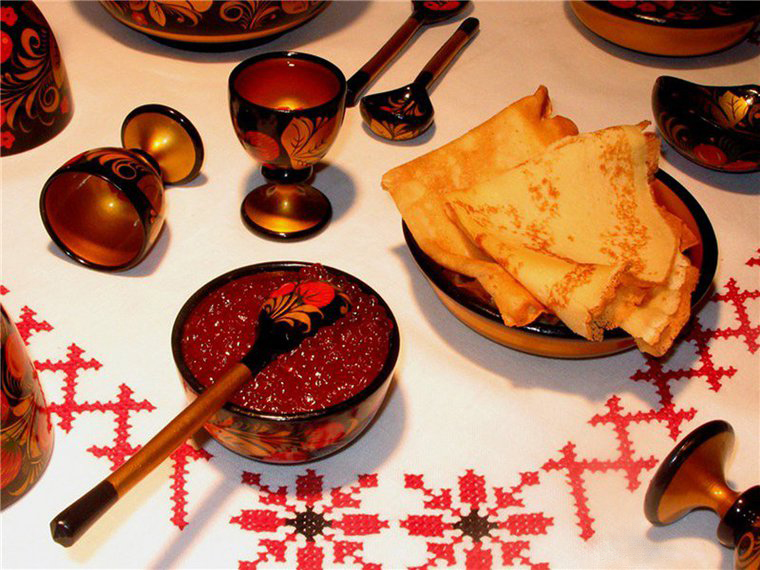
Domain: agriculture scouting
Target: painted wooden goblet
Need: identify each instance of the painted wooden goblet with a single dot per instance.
(287, 109)
(105, 207)
(692, 477)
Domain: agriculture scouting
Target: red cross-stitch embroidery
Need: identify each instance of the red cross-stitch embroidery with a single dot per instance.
(28, 325)
(475, 529)
(667, 414)
(314, 522)
(181, 458)
(67, 405)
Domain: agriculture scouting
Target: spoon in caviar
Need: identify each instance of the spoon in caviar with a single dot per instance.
(288, 316)
(407, 112)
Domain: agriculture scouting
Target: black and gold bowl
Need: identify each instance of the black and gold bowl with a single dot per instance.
(214, 26)
(716, 127)
(276, 436)
(676, 29)
(467, 301)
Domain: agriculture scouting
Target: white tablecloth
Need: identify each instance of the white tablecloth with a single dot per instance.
(556, 454)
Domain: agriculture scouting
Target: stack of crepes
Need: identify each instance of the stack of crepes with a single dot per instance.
(552, 221)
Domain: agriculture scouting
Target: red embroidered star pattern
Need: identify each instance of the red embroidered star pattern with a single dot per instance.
(474, 530)
(470, 524)
(314, 522)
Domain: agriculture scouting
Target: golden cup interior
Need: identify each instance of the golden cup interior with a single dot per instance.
(287, 83)
(699, 482)
(93, 221)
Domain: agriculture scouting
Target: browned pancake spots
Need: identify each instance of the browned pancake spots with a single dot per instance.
(559, 296)
(514, 216)
(629, 236)
(538, 197)
(539, 238)
(545, 196)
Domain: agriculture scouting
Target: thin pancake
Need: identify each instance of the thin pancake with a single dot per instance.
(420, 187)
(578, 226)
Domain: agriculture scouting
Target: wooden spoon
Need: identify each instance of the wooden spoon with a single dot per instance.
(406, 112)
(288, 316)
(423, 13)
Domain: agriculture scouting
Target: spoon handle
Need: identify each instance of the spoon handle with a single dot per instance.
(359, 81)
(290, 314)
(73, 521)
(448, 51)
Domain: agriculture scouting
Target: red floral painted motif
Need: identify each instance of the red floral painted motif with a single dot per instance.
(710, 154)
(264, 147)
(295, 7)
(8, 15)
(471, 527)
(6, 47)
(323, 528)
(139, 18)
(7, 139)
(300, 303)
(315, 293)
(441, 5)
(740, 165)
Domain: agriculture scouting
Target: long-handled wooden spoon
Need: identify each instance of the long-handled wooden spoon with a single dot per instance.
(406, 112)
(288, 316)
(423, 13)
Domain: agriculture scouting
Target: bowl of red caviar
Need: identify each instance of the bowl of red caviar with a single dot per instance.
(307, 403)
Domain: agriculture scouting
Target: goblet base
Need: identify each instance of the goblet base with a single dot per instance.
(286, 211)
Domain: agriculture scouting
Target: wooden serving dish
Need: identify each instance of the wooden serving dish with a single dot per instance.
(669, 28)
(213, 26)
(462, 297)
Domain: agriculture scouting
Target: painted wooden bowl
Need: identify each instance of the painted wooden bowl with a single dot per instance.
(547, 337)
(717, 127)
(213, 26)
(305, 404)
(674, 28)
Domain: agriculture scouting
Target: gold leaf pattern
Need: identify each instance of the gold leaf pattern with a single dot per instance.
(306, 141)
(732, 109)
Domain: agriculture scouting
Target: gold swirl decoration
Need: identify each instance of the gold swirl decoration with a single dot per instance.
(123, 165)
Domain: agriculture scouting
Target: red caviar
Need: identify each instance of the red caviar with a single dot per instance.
(327, 368)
